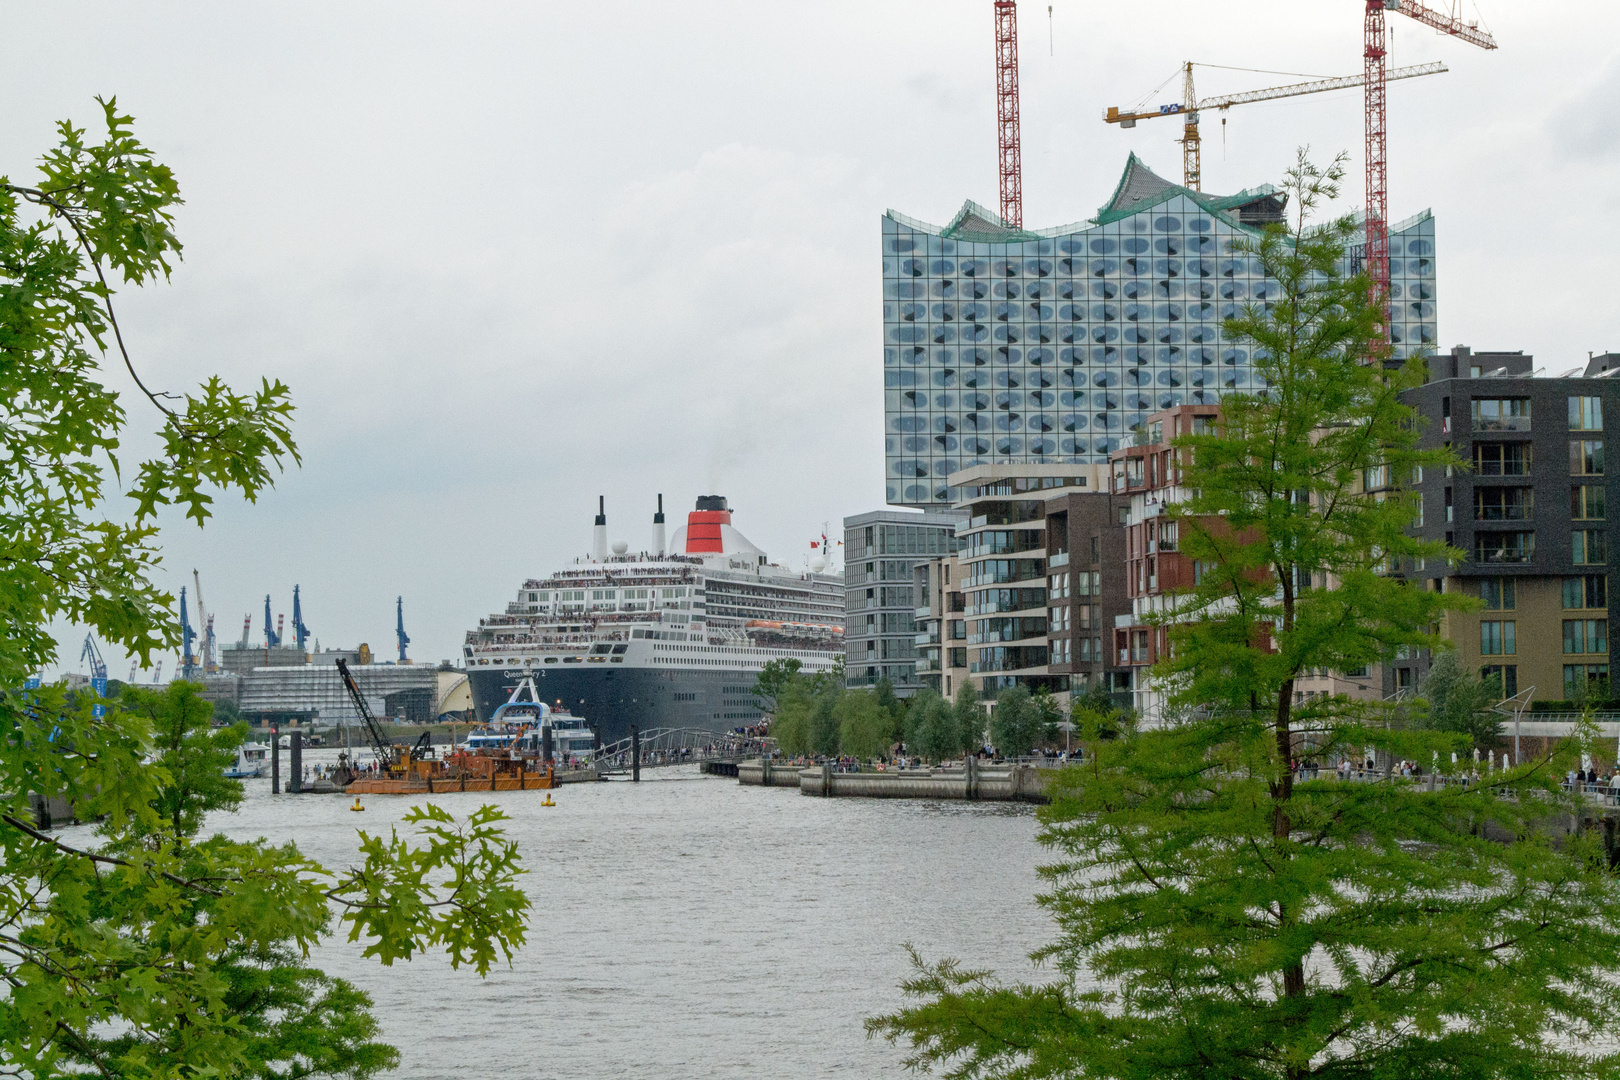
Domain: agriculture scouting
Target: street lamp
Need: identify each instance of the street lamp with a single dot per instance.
(1066, 726)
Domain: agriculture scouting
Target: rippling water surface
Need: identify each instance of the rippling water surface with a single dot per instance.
(688, 926)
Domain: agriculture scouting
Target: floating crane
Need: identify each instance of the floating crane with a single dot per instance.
(399, 628)
(389, 754)
(1190, 106)
(1374, 76)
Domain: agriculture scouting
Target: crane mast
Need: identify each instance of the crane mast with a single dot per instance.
(1007, 136)
(1374, 54)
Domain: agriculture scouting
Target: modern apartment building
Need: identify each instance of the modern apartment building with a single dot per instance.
(1050, 346)
(1155, 568)
(880, 549)
(1036, 580)
(1529, 510)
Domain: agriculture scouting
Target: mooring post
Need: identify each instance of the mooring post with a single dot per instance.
(765, 770)
(295, 764)
(545, 744)
(275, 762)
(635, 754)
(971, 771)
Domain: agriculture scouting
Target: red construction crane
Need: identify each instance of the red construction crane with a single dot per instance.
(1377, 255)
(1012, 170)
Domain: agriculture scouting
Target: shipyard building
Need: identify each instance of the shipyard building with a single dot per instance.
(1008, 346)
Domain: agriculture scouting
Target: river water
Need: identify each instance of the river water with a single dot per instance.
(691, 927)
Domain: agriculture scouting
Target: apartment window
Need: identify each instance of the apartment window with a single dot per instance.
(1504, 547)
(1504, 503)
(1375, 478)
(1585, 414)
(1087, 617)
(1096, 554)
(1203, 425)
(1496, 637)
(1202, 568)
(1504, 676)
(1357, 672)
(1090, 650)
(1139, 646)
(1058, 620)
(1589, 546)
(1498, 593)
(1502, 458)
(1501, 414)
(1586, 680)
(1124, 515)
(1586, 636)
(1403, 678)
(1448, 502)
(1586, 591)
(1088, 583)
(1586, 457)
(1586, 502)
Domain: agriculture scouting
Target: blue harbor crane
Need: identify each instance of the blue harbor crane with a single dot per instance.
(399, 628)
(271, 638)
(90, 653)
(188, 659)
(300, 631)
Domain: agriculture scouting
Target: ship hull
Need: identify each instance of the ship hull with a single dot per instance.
(610, 699)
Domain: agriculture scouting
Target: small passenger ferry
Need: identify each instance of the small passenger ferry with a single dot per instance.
(252, 759)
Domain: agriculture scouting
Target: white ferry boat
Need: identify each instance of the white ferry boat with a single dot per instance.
(252, 759)
(520, 725)
(671, 637)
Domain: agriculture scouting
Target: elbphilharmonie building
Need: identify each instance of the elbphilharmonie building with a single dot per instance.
(1012, 346)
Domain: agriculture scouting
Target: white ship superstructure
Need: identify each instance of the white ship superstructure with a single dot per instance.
(663, 638)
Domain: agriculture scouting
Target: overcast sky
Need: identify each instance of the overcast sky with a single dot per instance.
(510, 256)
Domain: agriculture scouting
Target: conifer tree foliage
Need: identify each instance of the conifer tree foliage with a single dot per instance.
(154, 950)
(1219, 916)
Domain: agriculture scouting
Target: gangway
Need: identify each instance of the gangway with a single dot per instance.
(664, 747)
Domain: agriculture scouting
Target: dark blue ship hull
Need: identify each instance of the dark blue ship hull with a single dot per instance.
(611, 698)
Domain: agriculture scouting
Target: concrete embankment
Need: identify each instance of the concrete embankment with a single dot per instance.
(975, 782)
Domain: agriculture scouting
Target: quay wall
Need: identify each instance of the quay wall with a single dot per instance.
(1018, 783)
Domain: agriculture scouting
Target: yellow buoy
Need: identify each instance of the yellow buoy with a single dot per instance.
(548, 801)
(357, 805)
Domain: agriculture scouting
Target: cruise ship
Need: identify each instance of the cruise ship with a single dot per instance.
(671, 637)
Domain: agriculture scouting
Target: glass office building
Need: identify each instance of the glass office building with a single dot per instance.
(1009, 346)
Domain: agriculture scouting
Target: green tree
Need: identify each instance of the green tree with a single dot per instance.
(824, 725)
(865, 727)
(1048, 715)
(968, 716)
(152, 951)
(930, 726)
(1015, 726)
(894, 708)
(790, 724)
(193, 753)
(774, 678)
(1460, 702)
(1218, 919)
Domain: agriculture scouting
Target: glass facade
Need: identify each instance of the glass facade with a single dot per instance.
(1014, 347)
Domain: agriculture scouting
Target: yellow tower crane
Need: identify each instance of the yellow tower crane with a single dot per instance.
(1189, 107)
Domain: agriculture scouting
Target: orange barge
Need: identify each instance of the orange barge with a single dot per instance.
(459, 771)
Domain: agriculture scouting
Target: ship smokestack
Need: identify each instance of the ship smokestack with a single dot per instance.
(599, 534)
(658, 528)
(703, 525)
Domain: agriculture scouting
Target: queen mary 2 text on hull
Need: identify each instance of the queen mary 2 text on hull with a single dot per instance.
(673, 637)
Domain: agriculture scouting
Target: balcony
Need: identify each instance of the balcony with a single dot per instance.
(1057, 559)
(929, 638)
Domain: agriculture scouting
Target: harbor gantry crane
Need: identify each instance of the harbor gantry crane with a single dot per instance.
(205, 623)
(1374, 53)
(1190, 106)
(1008, 143)
(300, 631)
(188, 659)
(399, 629)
